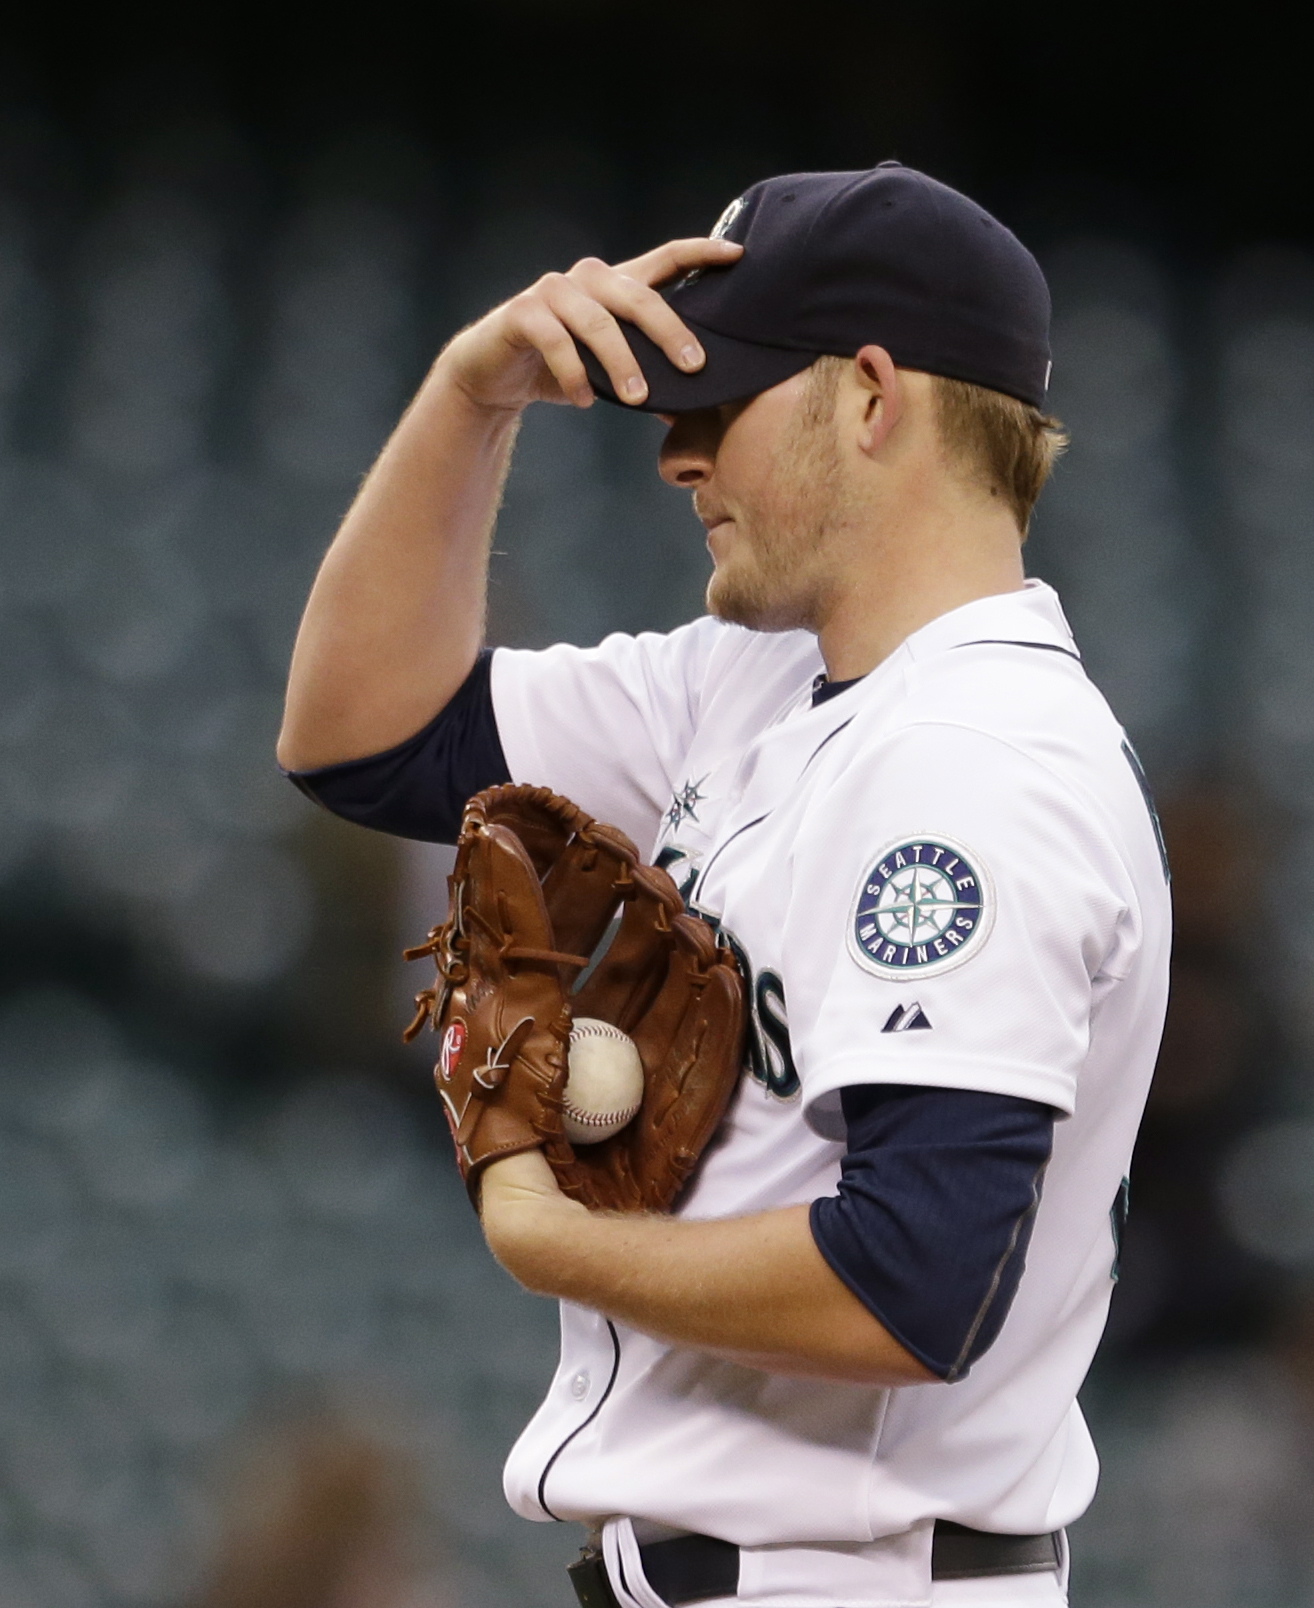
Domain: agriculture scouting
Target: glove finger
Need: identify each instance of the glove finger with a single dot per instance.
(693, 1041)
(590, 879)
(579, 861)
(582, 892)
(630, 976)
(692, 958)
(542, 820)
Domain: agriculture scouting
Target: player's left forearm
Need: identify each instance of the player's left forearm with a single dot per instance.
(754, 1288)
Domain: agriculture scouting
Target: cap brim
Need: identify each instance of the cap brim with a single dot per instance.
(734, 369)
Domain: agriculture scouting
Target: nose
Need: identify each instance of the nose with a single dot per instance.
(688, 454)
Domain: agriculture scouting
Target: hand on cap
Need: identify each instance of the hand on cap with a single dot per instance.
(524, 351)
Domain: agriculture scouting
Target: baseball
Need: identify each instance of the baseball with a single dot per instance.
(604, 1086)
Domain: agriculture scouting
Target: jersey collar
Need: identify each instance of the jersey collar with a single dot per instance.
(1031, 616)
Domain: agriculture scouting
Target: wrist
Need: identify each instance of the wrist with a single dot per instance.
(448, 388)
(526, 1219)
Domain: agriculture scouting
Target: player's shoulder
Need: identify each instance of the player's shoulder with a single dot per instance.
(733, 674)
(1009, 667)
(703, 641)
(743, 658)
(997, 711)
(705, 674)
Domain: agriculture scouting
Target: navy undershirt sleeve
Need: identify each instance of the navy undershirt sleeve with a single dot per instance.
(930, 1227)
(419, 788)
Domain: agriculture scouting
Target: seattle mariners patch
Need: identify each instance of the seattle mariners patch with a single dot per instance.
(925, 906)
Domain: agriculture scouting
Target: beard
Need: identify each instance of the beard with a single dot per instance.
(775, 578)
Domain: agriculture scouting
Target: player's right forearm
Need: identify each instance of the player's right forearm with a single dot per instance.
(396, 616)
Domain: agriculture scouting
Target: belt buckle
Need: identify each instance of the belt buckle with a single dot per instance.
(588, 1575)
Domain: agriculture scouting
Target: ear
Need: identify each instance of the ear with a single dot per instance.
(878, 382)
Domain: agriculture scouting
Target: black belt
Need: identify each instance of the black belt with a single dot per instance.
(694, 1568)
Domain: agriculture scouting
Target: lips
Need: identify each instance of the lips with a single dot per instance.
(710, 515)
(713, 519)
(720, 539)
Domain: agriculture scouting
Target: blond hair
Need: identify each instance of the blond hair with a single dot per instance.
(1006, 447)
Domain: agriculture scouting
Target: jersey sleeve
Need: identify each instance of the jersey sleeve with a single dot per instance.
(931, 1221)
(418, 788)
(606, 726)
(956, 913)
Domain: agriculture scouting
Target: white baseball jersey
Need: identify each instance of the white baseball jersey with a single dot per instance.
(947, 875)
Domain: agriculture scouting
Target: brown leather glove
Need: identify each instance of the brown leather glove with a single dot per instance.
(533, 891)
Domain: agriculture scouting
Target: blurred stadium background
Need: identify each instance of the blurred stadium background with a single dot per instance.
(246, 1320)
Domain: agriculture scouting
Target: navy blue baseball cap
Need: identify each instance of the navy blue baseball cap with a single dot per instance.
(835, 261)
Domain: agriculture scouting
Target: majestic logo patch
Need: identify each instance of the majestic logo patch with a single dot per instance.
(906, 1019)
(924, 908)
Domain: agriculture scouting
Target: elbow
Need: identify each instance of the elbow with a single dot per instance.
(286, 752)
(863, 1369)
(857, 1357)
(888, 1364)
(908, 1371)
(296, 748)
(863, 1348)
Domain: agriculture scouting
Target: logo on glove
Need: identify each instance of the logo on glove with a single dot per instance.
(924, 908)
(450, 1053)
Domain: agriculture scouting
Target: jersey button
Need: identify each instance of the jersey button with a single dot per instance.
(579, 1385)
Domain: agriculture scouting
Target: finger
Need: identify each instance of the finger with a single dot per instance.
(642, 306)
(664, 262)
(588, 319)
(539, 328)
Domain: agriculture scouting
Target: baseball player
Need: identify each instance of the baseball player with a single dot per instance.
(843, 1372)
